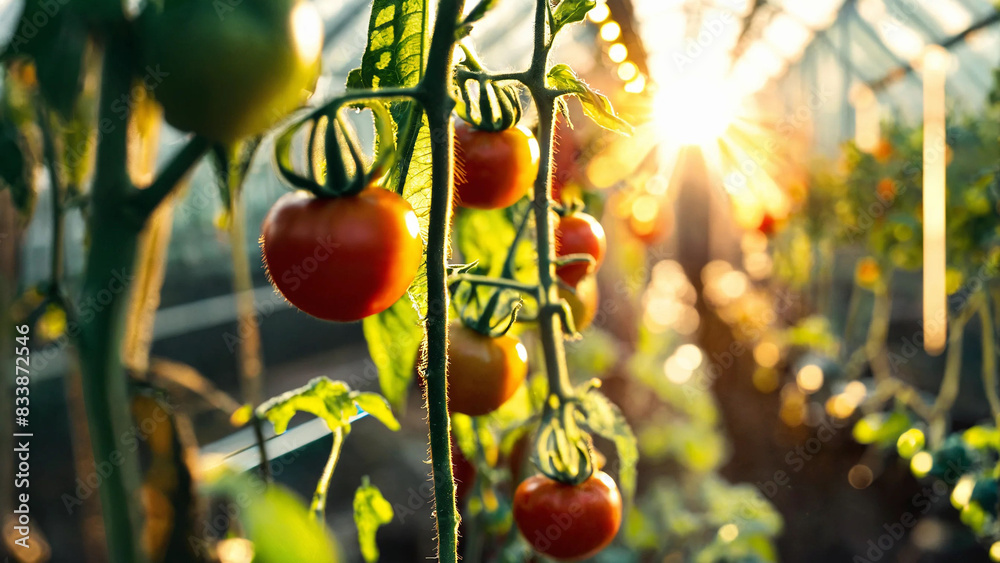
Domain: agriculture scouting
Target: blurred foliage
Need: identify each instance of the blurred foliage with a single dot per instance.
(860, 221)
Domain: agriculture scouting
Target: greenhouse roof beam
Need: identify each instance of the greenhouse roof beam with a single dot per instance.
(919, 17)
(907, 68)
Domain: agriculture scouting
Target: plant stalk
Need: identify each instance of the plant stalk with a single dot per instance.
(103, 308)
(318, 506)
(438, 104)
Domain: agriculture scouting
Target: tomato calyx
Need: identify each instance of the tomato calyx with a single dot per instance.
(487, 104)
(329, 173)
(564, 452)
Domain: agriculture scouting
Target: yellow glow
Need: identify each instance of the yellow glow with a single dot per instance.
(729, 532)
(617, 52)
(840, 406)
(688, 322)
(733, 284)
(963, 491)
(611, 31)
(522, 352)
(766, 354)
(809, 378)
(921, 464)
(765, 380)
(934, 201)
(689, 356)
(676, 372)
(307, 31)
(599, 13)
(856, 391)
(696, 111)
(995, 551)
(235, 550)
(636, 85)
(645, 208)
(412, 224)
(627, 71)
(867, 125)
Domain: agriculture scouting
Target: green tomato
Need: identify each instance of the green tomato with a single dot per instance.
(228, 70)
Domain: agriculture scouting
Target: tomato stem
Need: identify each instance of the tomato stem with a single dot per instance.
(119, 213)
(488, 281)
(438, 104)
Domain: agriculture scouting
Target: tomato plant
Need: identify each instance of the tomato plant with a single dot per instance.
(363, 235)
(494, 169)
(568, 522)
(579, 233)
(235, 72)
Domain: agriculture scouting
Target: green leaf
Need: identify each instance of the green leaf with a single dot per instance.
(394, 338)
(395, 57)
(596, 106)
(376, 405)
(606, 420)
(570, 11)
(277, 522)
(333, 401)
(484, 236)
(371, 511)
(397, 44)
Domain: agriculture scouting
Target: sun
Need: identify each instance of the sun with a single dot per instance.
(695, 111)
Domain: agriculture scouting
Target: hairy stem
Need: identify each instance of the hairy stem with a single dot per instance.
(438, 105)
(549, 306)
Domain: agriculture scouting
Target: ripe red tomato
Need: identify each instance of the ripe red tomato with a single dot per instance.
(463, 470)
(493, 169)
(342, 259)
(579, 233)
(568, 522)
(483, 372)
